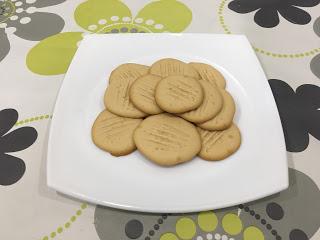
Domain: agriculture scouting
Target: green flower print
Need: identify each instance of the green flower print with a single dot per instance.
(227, 226)
(52, 55)
(22, 18)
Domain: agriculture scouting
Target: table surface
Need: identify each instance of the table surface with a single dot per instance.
(37, 41)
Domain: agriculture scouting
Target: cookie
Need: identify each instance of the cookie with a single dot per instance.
(169, 66)
(114, 134)
(178, 94)
(218, 145)
(167, 140)
(117, 101)
(129, 71)
(210, 107)
(224, 118)
(142, 94)
(209, 74)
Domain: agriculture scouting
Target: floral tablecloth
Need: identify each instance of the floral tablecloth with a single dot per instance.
(38, 39)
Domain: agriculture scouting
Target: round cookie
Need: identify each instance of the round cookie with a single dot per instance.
(218, 145)
(210, 107)
(209, 74)
(114, 134)
(117, 101)
(178, 94)
(142, 94)
(167, 140)
(169, 66)
(129, 71)
(224, 118)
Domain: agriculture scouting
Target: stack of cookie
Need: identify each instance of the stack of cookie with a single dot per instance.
(171, 111)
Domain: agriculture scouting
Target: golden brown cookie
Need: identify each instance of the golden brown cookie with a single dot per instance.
(169, 66)
(178, 94)
(224, 118)
(167, 140)
(129, 71)
(114, 134)
(217, 145)
(210, 107)
(209, 74)
(117, 101)
(142, 94)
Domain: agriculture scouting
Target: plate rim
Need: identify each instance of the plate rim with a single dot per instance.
(195, 208)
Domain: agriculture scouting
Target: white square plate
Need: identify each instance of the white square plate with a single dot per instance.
(78, 168)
